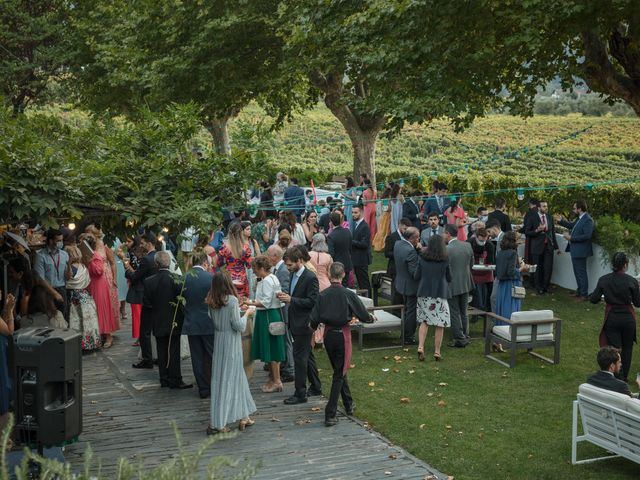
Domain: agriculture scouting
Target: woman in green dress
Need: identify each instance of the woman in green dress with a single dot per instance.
(265, 346)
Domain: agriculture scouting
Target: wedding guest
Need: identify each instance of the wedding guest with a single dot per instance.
(339, 243)
(405, 255)
(100, 288)
(281, 186)
(621, 293)
(498, 214)
(294, 227)
(121, 279)
(294, 196)
(321, 260)
(369, 197)
(266, 346)
(579, 245)
(254, 248)
(110, 271)
(231, 398)
(361, 249)
(483, 254)
(411, 210)
(261, 229)
(433, 291)
(6, 384)
(236, 255)
(20, 272)
(83, 316)
(266, 200)
(310, 226)
(456, 216)
(52, 265)
(607, 377)
(284, 239)
(432, 228)
(384, 225)
(542, 243)
(389, 244)
(397, 201)
(42, 310)
(350, 198)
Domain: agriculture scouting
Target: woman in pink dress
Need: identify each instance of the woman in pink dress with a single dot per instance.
(110, 267)
(457, 216)
(369, 197)
(321, 259)
(100, 289)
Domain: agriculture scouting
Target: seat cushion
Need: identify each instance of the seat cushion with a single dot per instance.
(524, 333)
(383, 319)
(528, 315)
(612, 399)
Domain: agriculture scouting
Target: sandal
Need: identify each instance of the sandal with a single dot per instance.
(437, 357)
(215, 431)
(497, 347)
(421, 355)
(247, 422)
(107, 344)
(274, 387)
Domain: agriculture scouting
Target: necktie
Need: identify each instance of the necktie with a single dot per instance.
(433, 232)
(439, 203)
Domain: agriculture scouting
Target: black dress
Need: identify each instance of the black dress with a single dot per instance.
(621, 292)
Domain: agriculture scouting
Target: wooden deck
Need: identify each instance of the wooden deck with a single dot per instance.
(127, 414)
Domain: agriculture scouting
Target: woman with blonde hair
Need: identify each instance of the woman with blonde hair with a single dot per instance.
(231, 398)
(83, 317)
(236, 255)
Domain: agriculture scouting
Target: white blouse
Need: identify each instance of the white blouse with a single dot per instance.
(266, 292)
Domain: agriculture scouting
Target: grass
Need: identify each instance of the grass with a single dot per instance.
(495, 422)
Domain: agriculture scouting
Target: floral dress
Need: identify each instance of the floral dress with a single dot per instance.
(237, 267)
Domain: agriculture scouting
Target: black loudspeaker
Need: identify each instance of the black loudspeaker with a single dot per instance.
(48, 385)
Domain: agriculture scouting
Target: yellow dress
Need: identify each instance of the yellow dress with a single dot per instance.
(384, 227)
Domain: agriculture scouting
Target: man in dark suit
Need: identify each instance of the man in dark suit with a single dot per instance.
(197, 324)
(294, 196)
(461, 263)
(411, 211)
(532, 211)
(406, 257)
(361, 249)
(389, 243)
(432, 228)
(161, 292)
(437, 203)
(610, 366)
(339, 242)
(304, 291)
(579, 246)
(275, 253)
(146, 268)
(540, 232)
(499, 215)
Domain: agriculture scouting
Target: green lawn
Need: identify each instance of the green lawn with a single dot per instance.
(473, 419)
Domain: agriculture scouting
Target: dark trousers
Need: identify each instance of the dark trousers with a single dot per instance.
(169, 352)
(345, 280)
(544, 261)
(580, 272)
(334, 345)
(301, 355)
(620, 331)
(459, 318)
(362, 277)
(201, 347)
(396, 298)
(312, 373)
(145, 337)
(286, 367)
(64, 305)
(410, 306)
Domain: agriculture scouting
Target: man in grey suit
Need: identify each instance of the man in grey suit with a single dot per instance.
(495, 233)
(460, 263)
(275, 253)
(405, 255)
(197, 324)
(432, 228)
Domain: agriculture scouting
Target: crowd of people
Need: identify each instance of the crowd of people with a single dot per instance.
(282, 273)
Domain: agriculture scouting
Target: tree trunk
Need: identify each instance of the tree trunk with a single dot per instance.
(362, 129)
(218, 127)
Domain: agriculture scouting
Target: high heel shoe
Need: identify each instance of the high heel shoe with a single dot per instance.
(274, 387)
(497, 347)
(420, 356)
(247, 422)
(437, 357)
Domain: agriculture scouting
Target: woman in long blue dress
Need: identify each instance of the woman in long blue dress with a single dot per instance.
(397, 199)
(231, 398)
(508, 268)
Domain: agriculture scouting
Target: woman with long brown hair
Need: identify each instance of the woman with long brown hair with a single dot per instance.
(236, 255)
(231, 398)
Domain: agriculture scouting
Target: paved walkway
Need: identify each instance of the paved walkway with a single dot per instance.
(127, 414)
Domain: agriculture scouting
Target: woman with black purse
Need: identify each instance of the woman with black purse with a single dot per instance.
(268, 330)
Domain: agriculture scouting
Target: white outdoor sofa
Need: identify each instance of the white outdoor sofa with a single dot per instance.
(610, 420)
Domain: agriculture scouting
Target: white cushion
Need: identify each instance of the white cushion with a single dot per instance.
(524, 333)
(384, 272)
(609, 398)
(366, 301)
(529, 315)
(383, 319)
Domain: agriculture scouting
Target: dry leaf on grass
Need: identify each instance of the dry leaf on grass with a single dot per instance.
(302, 421)
(385, 370)
(395, 370)
(393, 456)
(353, 365)
(315, 409)
(388, 473)
(430, 394)
(448, 427)
(442, 384)
(442, 403)
(412, 371)
(405, 349)
(405, 400)
(275, 419)
(93, 402)
(397, 357)
(372, 384)
(386, 357)
(422, 425)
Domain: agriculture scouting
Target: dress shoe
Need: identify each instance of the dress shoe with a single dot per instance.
(314, 393)
(286, 378)
(205, 395)
(349, 411)
(331, 422)
(293, 400)
(142, 364)
(181, 386)
(581, 299)
(457, 344)
(410, 341)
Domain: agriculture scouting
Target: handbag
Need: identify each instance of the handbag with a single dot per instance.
(516, 292)
(277, 329)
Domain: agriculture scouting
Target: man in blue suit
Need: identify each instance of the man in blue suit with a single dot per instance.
(411, 211)
(439, 202)
(579, 246)
(294, 196)
(197, 324)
